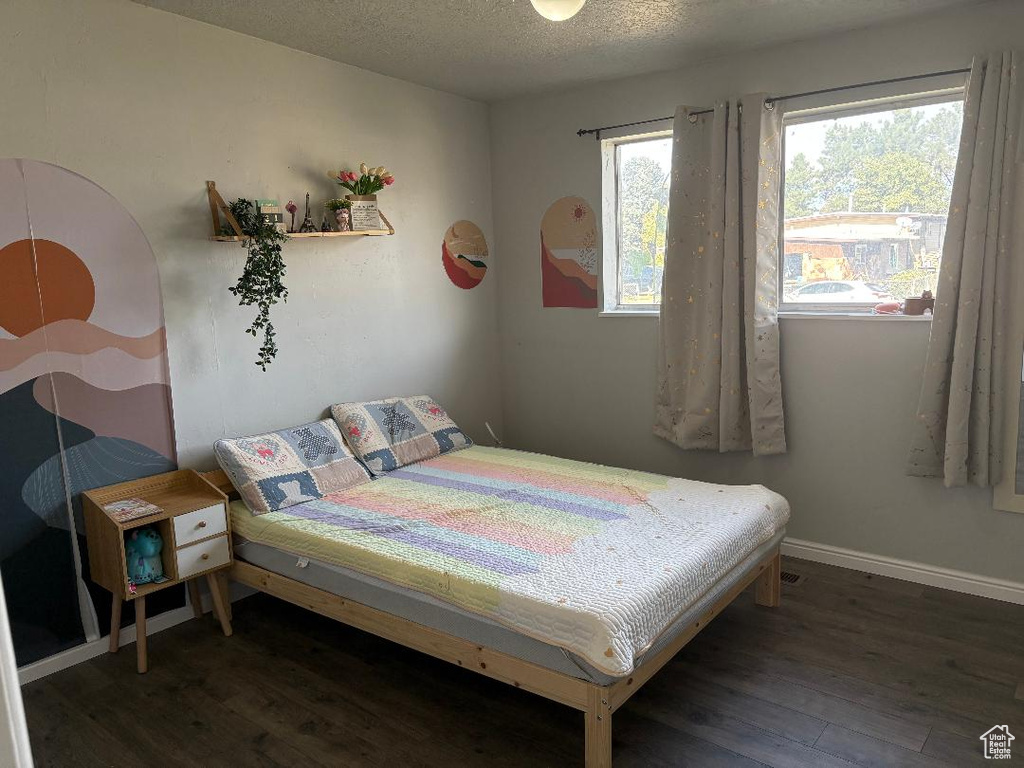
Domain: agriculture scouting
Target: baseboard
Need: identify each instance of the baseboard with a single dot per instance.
(906, 570)
(86, 651)
(89, 650)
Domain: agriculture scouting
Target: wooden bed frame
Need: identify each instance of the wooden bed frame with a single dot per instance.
(597, 702)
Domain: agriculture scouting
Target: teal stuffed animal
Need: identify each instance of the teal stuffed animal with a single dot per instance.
(142, 551)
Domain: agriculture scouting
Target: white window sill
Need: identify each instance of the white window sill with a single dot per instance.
(787, 315)
(630, 313)
(852, 316)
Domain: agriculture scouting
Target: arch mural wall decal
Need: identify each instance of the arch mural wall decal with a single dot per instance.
(464, 254)
(568, 254)
(85, 396)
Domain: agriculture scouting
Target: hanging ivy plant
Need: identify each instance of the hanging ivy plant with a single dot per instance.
(261, 281)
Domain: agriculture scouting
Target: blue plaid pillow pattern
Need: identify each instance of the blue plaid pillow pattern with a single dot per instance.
(388, 434)
(290, 466)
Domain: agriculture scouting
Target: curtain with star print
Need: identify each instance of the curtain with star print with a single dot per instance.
(958, 433)
(719, 384)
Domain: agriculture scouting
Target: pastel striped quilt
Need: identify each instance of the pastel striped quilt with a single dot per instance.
(594, 559)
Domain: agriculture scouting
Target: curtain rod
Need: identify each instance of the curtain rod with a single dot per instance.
(769, 103)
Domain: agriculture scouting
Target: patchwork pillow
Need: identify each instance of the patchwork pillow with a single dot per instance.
(283, 468)
(388, 434)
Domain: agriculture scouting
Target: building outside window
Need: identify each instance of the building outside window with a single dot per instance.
(865, 199)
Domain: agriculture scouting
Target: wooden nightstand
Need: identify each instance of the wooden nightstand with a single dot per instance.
(196, 532)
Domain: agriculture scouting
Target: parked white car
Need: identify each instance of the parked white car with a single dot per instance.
(848, 291)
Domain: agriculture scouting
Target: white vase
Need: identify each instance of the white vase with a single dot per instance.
(364, 212)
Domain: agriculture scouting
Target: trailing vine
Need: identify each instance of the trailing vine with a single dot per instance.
(261, 281)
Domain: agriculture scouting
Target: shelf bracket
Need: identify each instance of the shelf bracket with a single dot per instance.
(217, 207)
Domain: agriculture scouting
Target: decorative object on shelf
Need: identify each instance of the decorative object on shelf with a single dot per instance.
(261, 281)
(364, 213)
(142, 548)
(324, 224)
(464, 254)
(342, 213)
(131, 509)
(568, 254)
(364, 187)
(291, 208)
(920, 304)
(307, 221)
(270, 211)
(887, 308)
(558, 10)
(369, 181)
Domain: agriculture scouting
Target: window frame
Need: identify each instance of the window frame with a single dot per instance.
(797, 116)
(611, 289)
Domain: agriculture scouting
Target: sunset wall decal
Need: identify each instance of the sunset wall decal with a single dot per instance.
(568, 254)
(464, 254)
(84, 388)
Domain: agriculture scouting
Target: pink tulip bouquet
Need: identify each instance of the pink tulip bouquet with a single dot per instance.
(369, 181)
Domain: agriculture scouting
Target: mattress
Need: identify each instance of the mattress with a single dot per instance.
(431, 612)
(598, 561)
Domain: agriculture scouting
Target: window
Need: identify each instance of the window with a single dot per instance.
(894, 257)
(865, 202)
(637, 173)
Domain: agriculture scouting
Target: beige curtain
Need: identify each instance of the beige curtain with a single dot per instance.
(958, 432)
(719, 386)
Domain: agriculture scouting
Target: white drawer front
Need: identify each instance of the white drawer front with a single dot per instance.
(200, 524)
(203, 556)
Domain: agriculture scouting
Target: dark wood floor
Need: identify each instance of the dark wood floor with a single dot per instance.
(851, 670)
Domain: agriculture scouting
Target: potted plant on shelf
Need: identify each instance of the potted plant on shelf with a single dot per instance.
(364, 187)
(341, 209)
(261, 281)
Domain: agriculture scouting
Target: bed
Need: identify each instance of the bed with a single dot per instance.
(572, 580)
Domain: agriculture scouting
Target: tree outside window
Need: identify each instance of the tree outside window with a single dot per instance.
(865, 202)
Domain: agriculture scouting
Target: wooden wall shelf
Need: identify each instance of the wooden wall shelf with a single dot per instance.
(359, 233)
(218, 207)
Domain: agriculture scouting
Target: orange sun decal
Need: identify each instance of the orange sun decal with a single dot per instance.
(64, 290)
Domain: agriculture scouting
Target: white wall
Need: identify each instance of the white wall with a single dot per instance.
(150, 105)
(581, 386)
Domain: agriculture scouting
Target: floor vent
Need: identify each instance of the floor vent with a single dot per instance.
(793, 579)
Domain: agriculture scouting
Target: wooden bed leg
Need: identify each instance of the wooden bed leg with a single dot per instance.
(768, 589)
(598, 717)
(222, 580)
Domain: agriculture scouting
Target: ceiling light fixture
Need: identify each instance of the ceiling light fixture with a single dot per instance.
(557, 10)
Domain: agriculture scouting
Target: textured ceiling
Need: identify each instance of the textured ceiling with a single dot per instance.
(495, 49)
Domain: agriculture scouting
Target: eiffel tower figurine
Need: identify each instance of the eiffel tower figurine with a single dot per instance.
(307, 222)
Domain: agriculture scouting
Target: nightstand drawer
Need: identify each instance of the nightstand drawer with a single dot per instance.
(200, 524)
(200, 557)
